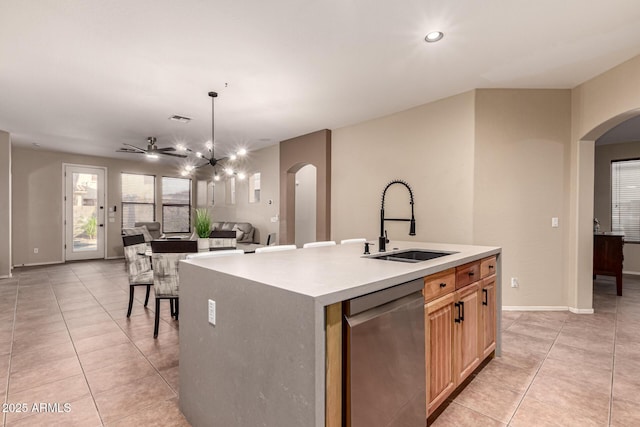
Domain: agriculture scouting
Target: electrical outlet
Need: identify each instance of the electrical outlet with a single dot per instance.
(212, 312)
(35, 250)
(554, 222)
(514, 282)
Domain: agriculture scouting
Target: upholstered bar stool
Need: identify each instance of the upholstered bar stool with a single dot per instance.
(138, 266)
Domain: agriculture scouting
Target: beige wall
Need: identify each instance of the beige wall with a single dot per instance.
(5, 204)
(311, 149)
(597, 105)
(521, 154)
(432, 148)
(38, 205)
(602, 193)
(266, 161)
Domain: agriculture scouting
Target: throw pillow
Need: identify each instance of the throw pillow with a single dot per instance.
(239, 233)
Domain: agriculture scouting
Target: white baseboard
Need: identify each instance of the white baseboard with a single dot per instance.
(9, 276)
(35, 264)
(114, 257)
(547, 308)
(581, 310)
(631, 273)
(535, 308)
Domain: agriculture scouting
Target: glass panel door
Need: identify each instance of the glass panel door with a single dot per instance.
(84, 206)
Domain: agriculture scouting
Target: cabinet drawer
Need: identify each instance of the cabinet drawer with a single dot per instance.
(467, 273)
(487, 267)
(439, 284)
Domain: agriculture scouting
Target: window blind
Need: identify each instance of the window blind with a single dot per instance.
(138, 198)
(176, 205)
(625, 198)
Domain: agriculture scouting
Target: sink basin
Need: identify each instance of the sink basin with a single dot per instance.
(413, 255)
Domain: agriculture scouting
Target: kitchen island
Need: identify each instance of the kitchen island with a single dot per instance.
(265, 361)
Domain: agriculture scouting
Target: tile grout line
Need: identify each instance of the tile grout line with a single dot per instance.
(132, 343)
(64, 319)
(613, 363)
(537, 371)
(13, 331)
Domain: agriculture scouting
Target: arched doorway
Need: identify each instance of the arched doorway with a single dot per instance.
(305, 205)
(581, 291)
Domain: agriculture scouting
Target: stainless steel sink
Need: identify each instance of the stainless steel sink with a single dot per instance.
(413, 255)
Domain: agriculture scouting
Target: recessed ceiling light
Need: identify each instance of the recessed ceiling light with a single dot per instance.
(434, 36)
(181, 119)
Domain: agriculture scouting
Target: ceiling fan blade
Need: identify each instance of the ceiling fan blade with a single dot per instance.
(128, 150)
(138, 149)
(171, 154)
(166, 149)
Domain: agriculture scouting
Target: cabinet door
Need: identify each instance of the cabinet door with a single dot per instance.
(438, 318)
(488, 316)
(466, 320)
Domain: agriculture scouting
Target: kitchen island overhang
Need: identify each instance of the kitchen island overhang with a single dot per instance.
(263, 363)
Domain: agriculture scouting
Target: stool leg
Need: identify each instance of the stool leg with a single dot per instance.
(157, 321)
(131, 289)
(177, 307)
(146, 298)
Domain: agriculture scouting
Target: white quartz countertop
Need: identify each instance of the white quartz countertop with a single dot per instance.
(337, 273)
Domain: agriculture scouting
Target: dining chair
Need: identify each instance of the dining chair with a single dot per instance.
(166, 261)
(276, 248)
(349, 241)
(318, 244)
(138, 266)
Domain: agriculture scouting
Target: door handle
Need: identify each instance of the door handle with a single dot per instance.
(101, 225)
(457, 319)
(462, 307)
(485, 300)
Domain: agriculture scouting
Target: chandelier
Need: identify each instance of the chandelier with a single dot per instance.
(221, 166)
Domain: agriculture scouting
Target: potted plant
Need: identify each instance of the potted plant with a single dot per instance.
(203, 228)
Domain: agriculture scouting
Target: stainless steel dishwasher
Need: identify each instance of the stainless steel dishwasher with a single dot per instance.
(385, 358)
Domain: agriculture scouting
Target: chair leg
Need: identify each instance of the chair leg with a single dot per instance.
(131, 289)
(146, 298)
(177, 307)
(157, 321)
(172, 307)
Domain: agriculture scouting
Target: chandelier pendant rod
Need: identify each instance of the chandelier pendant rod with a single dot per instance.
(213, 96)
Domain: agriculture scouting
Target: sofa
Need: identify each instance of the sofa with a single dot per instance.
(246, 233)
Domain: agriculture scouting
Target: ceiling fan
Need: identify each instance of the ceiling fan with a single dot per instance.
(152, 151)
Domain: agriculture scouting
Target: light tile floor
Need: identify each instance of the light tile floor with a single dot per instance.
(561, 369)
(65, 338)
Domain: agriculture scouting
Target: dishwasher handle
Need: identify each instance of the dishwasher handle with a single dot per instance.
(414, 299)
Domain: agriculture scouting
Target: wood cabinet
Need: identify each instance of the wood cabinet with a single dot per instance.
(438, 319)
(608, 257)
(488, 310)
(465, 332)
(460, 326)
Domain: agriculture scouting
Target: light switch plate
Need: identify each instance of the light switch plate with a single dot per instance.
(554, 222)
(212, 312)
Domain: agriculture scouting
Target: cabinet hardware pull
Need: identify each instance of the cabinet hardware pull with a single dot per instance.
(443, 285)
(457, 319)
(491, 266)
(470, 273)
(486, 297)
(462, 307)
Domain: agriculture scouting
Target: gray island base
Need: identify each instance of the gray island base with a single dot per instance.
(263, 363)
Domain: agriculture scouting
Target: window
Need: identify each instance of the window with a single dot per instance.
(254, 188)
(231, 191)
(138, 198)
(625, 199)
(176, 205)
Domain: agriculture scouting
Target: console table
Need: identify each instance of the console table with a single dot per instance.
(608, 257)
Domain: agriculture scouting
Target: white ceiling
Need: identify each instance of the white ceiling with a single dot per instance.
(88, 75)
